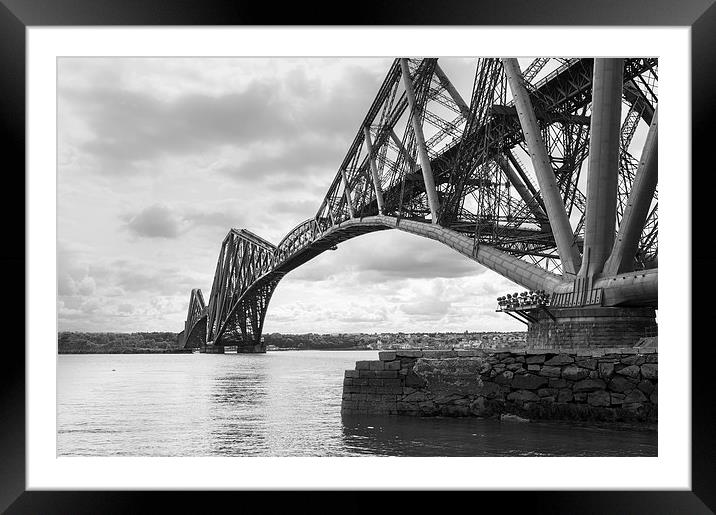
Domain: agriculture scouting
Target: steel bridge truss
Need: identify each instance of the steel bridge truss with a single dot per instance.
(194, 333)
(505, 168)
(236, 311)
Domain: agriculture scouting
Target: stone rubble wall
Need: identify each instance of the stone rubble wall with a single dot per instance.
(604, 385)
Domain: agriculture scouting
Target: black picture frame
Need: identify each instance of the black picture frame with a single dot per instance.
(17, 15)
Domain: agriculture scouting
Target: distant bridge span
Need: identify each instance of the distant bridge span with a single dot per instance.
(458, 176)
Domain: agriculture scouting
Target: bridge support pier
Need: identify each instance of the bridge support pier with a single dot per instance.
(259, 348)
(211, 349)
(590, 327)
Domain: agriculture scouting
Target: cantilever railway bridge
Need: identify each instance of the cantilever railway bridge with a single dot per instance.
(534, 175)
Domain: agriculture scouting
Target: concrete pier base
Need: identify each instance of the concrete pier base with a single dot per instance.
(259, 348)
(590, 327)
(211, 349)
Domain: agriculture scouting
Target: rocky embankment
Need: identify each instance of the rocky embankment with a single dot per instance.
(595, 385)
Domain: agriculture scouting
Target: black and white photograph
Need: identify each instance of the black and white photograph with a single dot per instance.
(361, 256)
(421, 255)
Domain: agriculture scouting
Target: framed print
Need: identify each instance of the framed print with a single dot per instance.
(180, 335)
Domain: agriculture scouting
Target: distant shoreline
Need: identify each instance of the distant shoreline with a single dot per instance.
(174, 351)
(167, 343)
(190, 351)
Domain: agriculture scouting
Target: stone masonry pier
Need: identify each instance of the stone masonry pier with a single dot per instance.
(590, 327)
(594, 385)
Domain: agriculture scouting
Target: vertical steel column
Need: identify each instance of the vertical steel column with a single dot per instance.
(637, 208)
(464, 109)
(347, 193)
(558, 219)
(432, 193)
(374, 170)
(603, 171)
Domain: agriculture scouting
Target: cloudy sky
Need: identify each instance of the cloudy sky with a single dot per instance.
(158, 158)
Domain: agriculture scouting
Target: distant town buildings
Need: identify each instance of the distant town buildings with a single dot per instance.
(490, 340)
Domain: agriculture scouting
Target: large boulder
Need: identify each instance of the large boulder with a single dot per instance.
(635, 396)
(451, 375)
(528, 381)
(574, 373)
(561, 359)
(630, 371)
(621, 384)
(565, 395)
(649, 371)
(606, 370)
(548, 371)
(599, 398)
(481, 407)
(504, 377)
(589, 385)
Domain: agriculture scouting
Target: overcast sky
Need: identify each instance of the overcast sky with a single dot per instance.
(159, 158)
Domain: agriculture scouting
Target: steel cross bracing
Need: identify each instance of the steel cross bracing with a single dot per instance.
(458, 168)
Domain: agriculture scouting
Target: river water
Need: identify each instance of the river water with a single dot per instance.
(284, 403)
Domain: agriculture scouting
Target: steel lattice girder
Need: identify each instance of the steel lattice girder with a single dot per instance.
(194, 334)
(568, 86)
(243, 259)
(507, 233)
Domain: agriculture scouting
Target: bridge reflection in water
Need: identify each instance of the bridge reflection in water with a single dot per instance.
(535, 174)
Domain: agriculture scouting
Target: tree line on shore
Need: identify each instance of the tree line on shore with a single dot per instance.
(163, 342)
(116, 343)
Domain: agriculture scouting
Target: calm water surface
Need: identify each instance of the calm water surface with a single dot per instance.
(284, 403)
